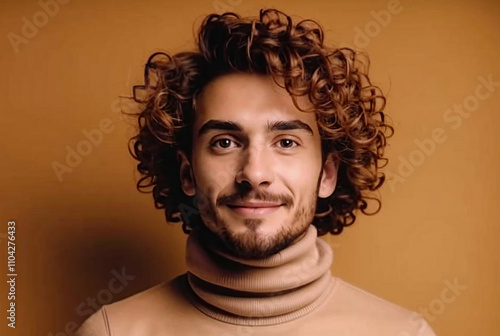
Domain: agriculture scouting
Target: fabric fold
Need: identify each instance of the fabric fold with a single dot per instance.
(284, 286)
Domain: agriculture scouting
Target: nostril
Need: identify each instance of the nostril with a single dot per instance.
(243, 187)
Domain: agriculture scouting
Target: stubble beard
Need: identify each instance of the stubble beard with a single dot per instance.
(250, 244)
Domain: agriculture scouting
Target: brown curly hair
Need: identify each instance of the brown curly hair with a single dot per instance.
(349, 109)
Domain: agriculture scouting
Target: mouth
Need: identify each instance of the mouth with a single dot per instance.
(254, 208)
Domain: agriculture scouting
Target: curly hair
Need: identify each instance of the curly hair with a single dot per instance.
(349, 109)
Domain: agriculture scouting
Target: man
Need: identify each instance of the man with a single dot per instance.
(258, 142)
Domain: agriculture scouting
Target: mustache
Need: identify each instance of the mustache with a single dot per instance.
(258, 195)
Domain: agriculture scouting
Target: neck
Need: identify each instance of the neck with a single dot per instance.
(264, 291)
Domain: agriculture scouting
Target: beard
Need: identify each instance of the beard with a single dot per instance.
(250, 244)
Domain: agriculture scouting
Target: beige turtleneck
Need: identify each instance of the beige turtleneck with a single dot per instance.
(289, 293)
(260, 292)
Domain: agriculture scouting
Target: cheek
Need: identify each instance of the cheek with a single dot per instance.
(301, 178)
(303, 172)
(213, 175)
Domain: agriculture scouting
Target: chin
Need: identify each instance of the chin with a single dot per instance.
(251, 238)
(258, 242)
(259, 228)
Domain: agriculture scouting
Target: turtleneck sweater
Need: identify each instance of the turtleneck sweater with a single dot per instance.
(289, 293)
(276, 289)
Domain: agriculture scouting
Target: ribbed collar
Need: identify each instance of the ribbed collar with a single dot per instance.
(276, 289)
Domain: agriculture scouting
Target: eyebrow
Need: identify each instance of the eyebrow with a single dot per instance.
(280, 125)
(289, 125)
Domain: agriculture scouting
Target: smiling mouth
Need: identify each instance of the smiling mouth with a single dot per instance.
(254, 210)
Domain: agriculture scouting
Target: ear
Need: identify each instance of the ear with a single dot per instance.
(329, 176)
(186, 174)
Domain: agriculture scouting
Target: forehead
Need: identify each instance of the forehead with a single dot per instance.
(249, 99)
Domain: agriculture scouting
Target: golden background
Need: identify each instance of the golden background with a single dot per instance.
(439, 222)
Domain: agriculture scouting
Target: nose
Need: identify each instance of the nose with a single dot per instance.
(256, 168)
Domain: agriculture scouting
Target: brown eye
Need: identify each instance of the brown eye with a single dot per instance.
(223, 143)
(287, 143)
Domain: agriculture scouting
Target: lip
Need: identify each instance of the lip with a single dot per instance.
(254, 208)
(255, 204)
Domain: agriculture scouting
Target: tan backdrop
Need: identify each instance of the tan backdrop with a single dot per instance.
(433, 248)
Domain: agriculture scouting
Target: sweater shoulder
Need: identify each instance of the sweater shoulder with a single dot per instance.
(163, 295)
(141, 313)
(361, 299)
(95, 325)
(367, 310)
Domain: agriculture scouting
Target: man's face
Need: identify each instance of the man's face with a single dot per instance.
(256, 167)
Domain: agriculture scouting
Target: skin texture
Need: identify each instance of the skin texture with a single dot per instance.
(279, 166)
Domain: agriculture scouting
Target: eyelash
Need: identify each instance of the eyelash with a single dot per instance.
(214, 144)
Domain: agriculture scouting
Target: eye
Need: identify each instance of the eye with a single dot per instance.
(222, 143)
(288, 143)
